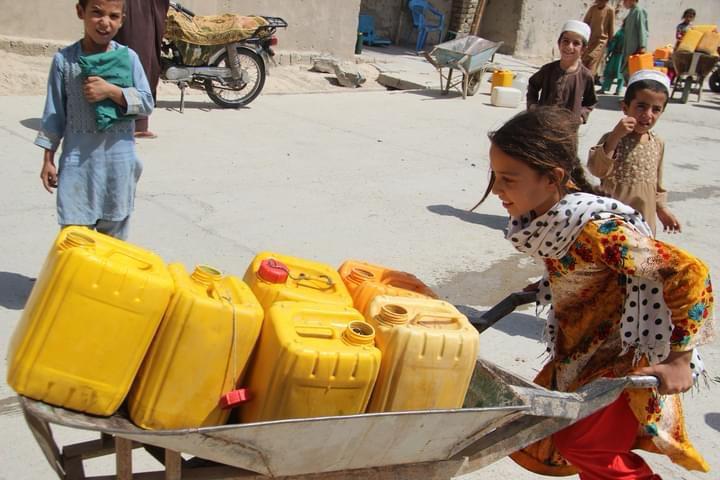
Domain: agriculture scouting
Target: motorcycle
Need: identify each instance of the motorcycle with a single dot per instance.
(229, 66)
(715, 79)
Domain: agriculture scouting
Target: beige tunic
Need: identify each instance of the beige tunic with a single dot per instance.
(633, 174)
(602, 28)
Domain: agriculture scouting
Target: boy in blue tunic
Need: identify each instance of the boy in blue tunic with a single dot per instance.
(98, 168)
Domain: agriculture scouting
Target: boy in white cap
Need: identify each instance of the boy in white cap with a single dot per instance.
(566, 82)
(629, 159)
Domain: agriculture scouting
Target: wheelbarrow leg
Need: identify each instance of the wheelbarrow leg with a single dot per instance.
(123, 458)
(173, 465)
(447, 83)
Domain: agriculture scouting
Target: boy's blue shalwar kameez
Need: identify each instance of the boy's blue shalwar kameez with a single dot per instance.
(97, 170)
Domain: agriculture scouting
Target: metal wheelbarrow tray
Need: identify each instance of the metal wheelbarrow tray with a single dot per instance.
(502, 413)
(471, 55)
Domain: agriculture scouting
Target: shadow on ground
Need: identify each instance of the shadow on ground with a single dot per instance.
(14, 290)
(713, 420)
(195, 105)
(515, 324)
(496, 222)
(32, 123)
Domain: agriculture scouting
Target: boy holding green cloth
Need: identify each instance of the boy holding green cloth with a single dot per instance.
(95, 89)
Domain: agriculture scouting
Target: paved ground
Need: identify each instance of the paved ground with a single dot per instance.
(382, 176)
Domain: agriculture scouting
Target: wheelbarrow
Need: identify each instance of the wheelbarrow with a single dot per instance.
(502, 413)
(691, 68)
(471, 55)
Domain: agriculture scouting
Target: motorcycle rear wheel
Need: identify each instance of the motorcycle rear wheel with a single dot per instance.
(227, 96)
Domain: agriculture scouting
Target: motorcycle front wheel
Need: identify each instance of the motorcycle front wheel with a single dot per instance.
(253, 80)
(715, 80)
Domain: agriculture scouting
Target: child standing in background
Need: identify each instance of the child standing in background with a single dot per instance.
(629, 159)
(635, 27)
(601, 19)
(98, 168)
(688, 17)
(566, 82)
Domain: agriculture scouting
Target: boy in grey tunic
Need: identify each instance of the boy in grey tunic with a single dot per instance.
(97, 170)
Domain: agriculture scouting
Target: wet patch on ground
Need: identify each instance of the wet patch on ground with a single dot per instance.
(9, 406)
(488, 287)
(704, 192)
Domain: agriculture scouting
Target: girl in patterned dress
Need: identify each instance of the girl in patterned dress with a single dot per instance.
(621, 303)
(629, 159)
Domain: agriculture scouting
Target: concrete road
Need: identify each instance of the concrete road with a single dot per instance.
(381, 176)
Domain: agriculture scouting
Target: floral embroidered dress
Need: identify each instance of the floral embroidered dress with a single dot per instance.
(632, 174)
(588, 286)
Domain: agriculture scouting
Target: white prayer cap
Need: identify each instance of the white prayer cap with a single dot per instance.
(656, 75)
(576, 26)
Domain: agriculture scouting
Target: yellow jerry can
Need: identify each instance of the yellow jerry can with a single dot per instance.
(690, 40)
(429, 351)
(355, 272)
(502, 78)
(199, 354)
(312, 360)
(274, 277)
(88, 322)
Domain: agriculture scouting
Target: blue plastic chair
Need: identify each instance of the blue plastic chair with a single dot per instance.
(419, 8)
(366, 26)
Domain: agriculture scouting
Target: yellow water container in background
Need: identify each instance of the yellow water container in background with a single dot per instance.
(502, 78)
(312, 360)
(88, 322)
(709, 44)
(640, 61)
(355, 272)
(199, 353)
(704, 28)
(663, 53)
(274, 277)
(690, 40)
(429, 350)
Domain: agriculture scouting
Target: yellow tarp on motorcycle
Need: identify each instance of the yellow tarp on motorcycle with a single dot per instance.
(211, 29)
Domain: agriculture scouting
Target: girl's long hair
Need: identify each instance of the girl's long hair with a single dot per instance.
(544, 138)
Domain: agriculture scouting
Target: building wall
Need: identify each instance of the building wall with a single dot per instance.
(500, 23)
(541, 21)
(328, 26)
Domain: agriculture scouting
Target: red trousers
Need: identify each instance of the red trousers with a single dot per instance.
(599, 445)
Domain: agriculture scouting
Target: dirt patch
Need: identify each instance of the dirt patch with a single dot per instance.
(27, 75)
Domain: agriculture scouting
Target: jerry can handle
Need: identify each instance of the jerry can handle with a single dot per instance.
(440, 315)
(142, 264)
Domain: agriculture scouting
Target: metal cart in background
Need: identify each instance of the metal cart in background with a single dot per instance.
(472, 56)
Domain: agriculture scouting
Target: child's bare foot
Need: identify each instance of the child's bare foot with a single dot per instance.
(145, 134)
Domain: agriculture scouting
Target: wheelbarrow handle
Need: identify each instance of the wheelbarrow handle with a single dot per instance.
(506, 306)
(649, 381)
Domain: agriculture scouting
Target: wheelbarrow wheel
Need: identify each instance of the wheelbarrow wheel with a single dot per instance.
(474, 83)
(715, 81)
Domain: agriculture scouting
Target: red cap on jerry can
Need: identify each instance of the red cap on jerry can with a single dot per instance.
(273, 271)
(234, 398)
